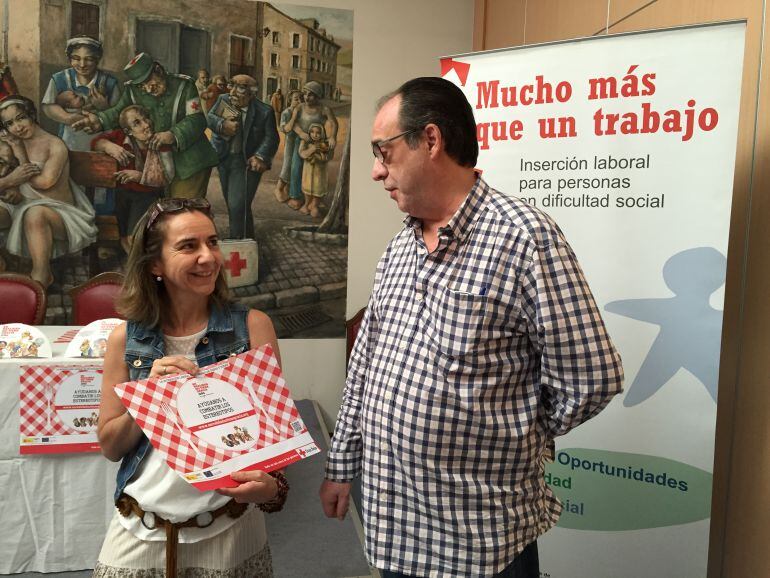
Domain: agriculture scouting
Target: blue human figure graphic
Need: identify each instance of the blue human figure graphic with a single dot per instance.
(690, 328)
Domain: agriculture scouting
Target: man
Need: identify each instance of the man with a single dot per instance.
(202, 82)
(173, 103)
(246, 139)
(481, 343)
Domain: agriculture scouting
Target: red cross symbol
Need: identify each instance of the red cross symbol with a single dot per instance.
(235, 264)
(301, 452)
(195, 105)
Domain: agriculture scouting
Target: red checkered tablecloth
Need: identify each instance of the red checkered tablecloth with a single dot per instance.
(257, 368)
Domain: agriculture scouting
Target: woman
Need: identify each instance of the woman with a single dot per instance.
(289, 144)
(312, 111)
(52, 216)
(97, 88)
(179, 318)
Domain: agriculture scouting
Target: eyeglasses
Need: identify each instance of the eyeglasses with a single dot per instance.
(239, 88)
(176, 205)
(376, 146)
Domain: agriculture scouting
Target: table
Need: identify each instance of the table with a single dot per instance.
(55, 508)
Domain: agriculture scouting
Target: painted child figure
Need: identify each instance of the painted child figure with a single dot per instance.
(74, 102)
(144, 173)
(315, 153)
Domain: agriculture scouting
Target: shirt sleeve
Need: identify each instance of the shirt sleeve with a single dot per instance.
(192, 127)
(109, 117)
(50, 93)
(343, 462)
(580, 370)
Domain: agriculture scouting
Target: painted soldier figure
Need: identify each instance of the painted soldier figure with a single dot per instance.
(246, 139)
(175, 108)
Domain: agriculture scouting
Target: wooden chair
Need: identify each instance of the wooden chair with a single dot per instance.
(351, 331)
(95, 299)
(22, 300)
(90, 170)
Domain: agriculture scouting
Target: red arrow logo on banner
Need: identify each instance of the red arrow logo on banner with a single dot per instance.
(461, 68)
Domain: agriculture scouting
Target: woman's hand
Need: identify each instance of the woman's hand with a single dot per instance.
(21, 174)
(98, 99)
(172, 365)
(256, 487)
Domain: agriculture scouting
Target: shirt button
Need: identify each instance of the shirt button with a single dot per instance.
(137, 362)
(419, 297)
(205, 340)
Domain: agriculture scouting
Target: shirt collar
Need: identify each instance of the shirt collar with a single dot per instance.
(462, 222)
(220, 321)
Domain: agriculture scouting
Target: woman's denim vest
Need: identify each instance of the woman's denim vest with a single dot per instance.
(227, 334)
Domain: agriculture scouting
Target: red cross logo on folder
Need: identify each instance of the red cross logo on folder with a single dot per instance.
(235, 264)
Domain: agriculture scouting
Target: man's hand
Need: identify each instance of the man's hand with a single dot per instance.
(335, 497)
(257, 165)
(257, 487)
(21, 174)
(90, 123)
(127, 176)
(229, 127)
(115, 151)
(160, 139)
(12, 196)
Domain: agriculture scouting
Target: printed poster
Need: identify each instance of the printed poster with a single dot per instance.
(628, 142)
(91, 340)
(234, 415)
(59, 408)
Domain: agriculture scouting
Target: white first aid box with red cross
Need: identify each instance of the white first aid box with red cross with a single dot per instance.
(241, 261)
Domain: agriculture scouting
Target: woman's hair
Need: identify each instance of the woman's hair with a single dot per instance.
(84, 42)
(23, 103)
(142, 298)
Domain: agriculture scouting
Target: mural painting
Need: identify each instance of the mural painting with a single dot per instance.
(106, 107)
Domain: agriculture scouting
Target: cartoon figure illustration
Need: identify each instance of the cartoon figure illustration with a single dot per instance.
(173, 102)
(4, 354)
(144, 172)
(54, 217)
(290, 143)
(99, 348)
(311, 111)
(315, 153)
(82, 87)
(246, 140)
(85, 348)
(690, 328)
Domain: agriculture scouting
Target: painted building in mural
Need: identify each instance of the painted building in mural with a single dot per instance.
(184, 36)
(297, 51)
(297, 263)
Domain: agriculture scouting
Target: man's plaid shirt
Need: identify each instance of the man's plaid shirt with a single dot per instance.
(468, 362)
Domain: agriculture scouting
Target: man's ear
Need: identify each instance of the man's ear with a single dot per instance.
(434, 138)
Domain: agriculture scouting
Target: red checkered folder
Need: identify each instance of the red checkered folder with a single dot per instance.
(282, 436)
(42, 429)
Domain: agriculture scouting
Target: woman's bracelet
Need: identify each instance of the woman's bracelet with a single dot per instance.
(277, 502)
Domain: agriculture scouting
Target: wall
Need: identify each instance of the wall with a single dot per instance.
(392, 42)
(740, 524)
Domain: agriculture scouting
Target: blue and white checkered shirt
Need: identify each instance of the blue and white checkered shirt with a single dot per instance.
(468, 362)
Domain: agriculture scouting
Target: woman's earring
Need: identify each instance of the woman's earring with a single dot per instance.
(159, 278)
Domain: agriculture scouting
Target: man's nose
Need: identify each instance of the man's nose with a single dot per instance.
(379, 170)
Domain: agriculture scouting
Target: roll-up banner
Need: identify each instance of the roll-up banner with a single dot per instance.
(628, 142)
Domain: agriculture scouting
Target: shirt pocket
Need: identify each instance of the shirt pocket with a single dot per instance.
(459, 319)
